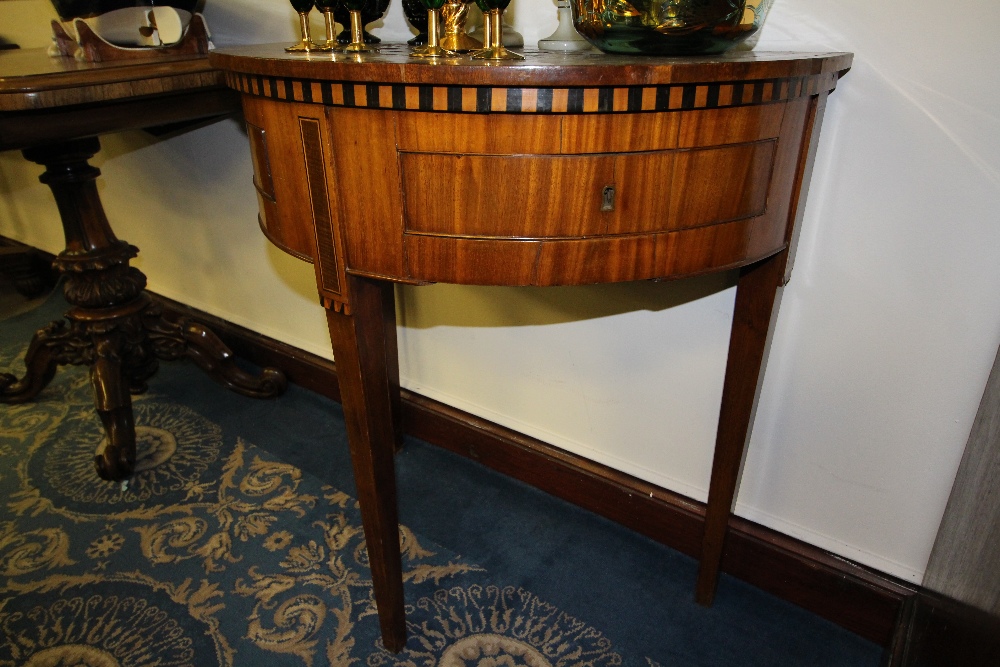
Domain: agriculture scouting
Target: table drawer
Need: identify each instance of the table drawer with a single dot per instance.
(513, 196)
(573, 196)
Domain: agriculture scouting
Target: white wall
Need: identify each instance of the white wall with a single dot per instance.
(886, 333)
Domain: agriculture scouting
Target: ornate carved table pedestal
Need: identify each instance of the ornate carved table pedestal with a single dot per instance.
(559, 170)
(53, 109)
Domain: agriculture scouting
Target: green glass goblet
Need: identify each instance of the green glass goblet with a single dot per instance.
(305, 45)
(357, 43)
(433, 48)
(494, 49)
(330, 43)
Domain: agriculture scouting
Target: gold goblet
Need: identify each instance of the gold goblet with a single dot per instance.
(487, 28)
(357, 43)
(494, 48)
(305, 45)
(330, 43)
(433, 48)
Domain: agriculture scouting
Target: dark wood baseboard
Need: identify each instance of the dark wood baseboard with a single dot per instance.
(938, 631)
(857, 598)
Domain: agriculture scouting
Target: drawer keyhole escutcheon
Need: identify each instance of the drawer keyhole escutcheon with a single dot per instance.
(608, 198)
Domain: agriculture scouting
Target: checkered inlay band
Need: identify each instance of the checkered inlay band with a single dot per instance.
(485, 99)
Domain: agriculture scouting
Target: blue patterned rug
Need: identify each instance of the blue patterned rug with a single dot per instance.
(223, 552)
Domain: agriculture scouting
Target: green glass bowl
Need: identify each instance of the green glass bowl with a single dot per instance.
(668, 27)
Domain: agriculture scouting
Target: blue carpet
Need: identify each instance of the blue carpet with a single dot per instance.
(240, 544)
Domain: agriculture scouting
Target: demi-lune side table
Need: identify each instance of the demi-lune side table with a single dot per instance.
(559, 170)
(53, 108)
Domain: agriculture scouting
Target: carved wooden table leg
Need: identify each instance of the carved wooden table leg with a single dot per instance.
(366, 372)
(112, 318)
(41, 360)
(184, 337)
(113, 402)
(756, 295)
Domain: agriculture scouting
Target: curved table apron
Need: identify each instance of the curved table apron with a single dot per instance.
(562, 170)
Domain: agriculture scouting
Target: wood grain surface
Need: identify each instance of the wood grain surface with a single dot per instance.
(31, 79)
(392, 64)
(55, 98)
(558, 170)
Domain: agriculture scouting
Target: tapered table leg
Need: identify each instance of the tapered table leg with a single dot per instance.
(368, 377)
(756, 299)
(392, 355)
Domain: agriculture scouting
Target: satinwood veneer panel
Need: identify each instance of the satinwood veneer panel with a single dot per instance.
(366, 173)
(506, 196)
(499, 134)
(544, 196)
(498, 183)
(713, 185)
(479, 261)
(494, 206)
(477, 134)
(619, 133)
(733, 125)
(278, 155)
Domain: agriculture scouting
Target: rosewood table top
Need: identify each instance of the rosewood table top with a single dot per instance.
(47, 98)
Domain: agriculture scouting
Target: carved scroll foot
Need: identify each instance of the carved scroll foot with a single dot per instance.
(187, 338)
(117, 461)
(48, 348)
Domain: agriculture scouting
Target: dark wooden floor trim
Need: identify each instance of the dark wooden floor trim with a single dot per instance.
(857, 598)
(938, 631)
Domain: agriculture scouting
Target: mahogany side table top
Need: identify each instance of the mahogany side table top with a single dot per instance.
(45, 98)
(558, 170)
(53, 109)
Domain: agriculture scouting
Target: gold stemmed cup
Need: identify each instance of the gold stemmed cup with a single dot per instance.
(487, 27)
(305, 45)
(330, 43)
(433, 48)
(493, 33)
(357, 43)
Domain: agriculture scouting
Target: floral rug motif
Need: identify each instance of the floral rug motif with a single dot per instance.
(217, 553)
